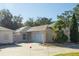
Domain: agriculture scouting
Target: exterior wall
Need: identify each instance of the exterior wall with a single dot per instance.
(6, 37)
(18, 37)
(49, 36)
(67, 32)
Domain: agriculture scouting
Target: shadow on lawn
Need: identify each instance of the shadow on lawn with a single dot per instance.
(66, 45)
(2, 46)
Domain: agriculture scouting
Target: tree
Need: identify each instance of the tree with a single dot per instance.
(9, 21)
(66, 17)
(74, 30)
(5, 18)
(17, 22)
(59, 24)
(29, 22)
(76, 11)
(39, 21)
(59, 35)
(43, 21)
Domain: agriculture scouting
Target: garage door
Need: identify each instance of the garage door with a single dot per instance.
(37, 37)
(4, 37)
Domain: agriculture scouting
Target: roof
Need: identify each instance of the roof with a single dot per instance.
(3, 28)
(38, 28)
(22, 29)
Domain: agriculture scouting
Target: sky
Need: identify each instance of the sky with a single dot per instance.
(34, 10)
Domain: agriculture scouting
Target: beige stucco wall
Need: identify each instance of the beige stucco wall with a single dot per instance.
(49, 35)
(67, 32)
(18, 37)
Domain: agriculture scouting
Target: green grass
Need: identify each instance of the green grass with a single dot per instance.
(68, 54)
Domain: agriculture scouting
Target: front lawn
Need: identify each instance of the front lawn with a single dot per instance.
(69, 54)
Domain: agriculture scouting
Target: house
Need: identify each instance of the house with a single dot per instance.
(6, 35)
(20, 35)
(40, 34)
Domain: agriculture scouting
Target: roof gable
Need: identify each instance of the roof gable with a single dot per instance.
(38, 28)
(3, 28)
(22, 29)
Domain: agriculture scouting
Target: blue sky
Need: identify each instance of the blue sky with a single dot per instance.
(37, 10)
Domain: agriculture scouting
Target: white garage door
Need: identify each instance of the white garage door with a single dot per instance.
(38, 37)
(4, 37)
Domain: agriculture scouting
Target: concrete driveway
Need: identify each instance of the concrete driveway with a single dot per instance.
(23, 49)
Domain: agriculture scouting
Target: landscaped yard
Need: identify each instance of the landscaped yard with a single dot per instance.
(23, 49)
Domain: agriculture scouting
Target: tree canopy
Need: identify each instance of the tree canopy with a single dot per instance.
(74, 30)
(67, 15)
(17, 22)
(37, 22)
(14, 22)
(5, 18)
(9, 21)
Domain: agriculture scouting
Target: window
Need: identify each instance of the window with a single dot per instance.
(24, 36)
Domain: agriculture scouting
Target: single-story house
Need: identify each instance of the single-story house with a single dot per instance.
(40, 34)
(6, 35)
(20, 35)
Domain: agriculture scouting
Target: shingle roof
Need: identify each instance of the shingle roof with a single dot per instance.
(22, 29)
(3, 28)
(38, 28)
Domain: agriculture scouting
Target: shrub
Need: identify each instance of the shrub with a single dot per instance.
(60, 37)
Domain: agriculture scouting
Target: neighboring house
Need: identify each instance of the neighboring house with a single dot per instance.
(20, 35)
(6, 35)
(40, 34)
